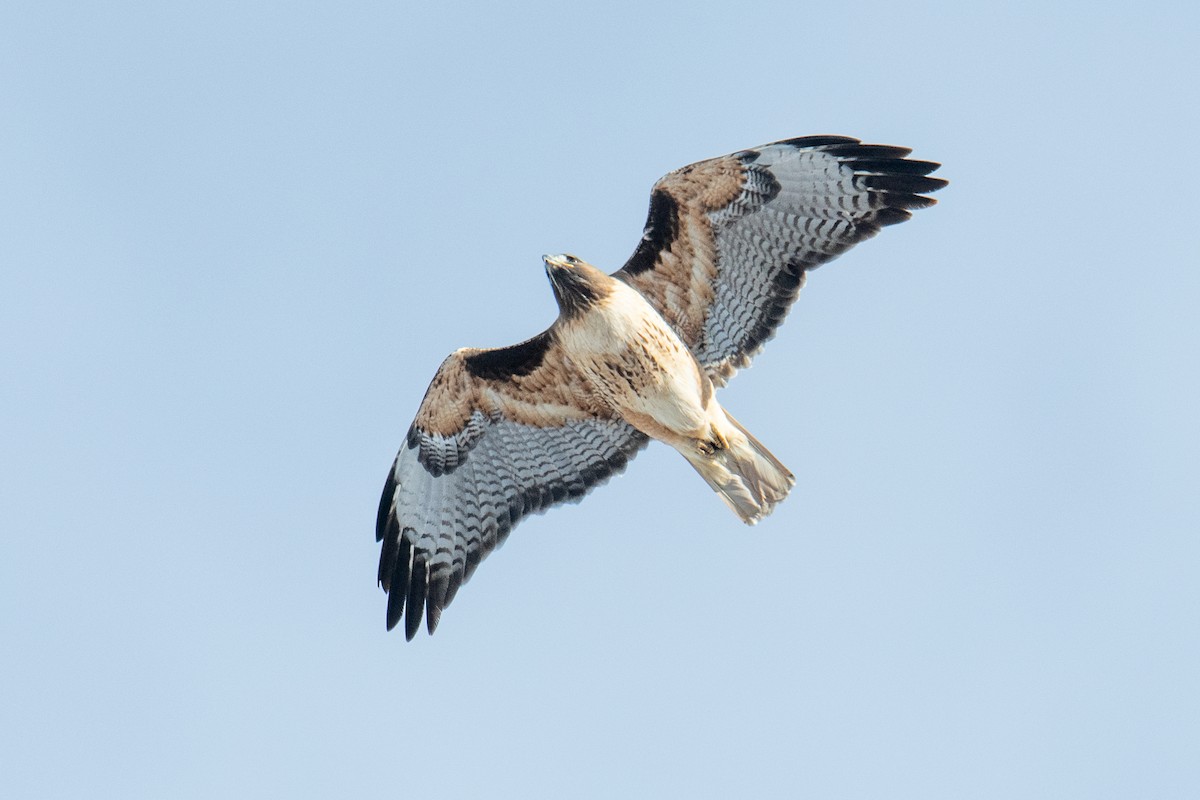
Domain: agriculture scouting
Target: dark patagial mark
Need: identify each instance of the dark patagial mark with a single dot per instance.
(662, 228)
(503, 363)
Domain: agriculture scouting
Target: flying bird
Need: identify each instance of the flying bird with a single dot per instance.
(633, 356)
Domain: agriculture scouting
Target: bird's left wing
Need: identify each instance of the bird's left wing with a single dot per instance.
(728, 241)
(500, 434)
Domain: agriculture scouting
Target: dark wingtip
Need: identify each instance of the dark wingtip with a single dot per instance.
(385, 502)
(820, 140)
(417, 585)
(435, 599)
(858, 150)
(432, 616)
(891, 216)
(412, 624)
(389, 554)
(908, 166)
(900, 200)
(901, 182)
(905, 183)
(395, 608)
(455, 581)
(396, 573)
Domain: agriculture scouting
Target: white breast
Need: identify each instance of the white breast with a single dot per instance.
(636, 362)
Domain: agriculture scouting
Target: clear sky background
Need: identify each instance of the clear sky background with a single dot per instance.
(237, 239)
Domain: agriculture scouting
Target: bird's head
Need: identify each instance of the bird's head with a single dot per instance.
(577, 284)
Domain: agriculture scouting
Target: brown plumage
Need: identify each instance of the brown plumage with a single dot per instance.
(636, 355)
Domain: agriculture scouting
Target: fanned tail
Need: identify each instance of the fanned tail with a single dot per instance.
(744, 473)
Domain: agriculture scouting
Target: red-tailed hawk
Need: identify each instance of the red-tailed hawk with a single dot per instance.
(633, 356)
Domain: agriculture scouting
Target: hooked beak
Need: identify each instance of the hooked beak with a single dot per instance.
(555, 262)
(572, 282)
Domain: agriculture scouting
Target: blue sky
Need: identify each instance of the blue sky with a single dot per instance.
(236, 240)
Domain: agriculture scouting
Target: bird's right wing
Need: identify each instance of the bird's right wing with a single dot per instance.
(728, 241)
(500, 434)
